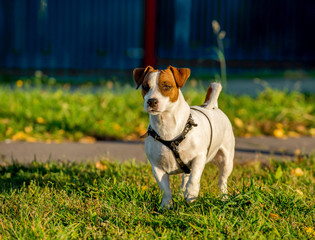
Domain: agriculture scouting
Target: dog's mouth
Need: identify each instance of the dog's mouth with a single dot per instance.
(152, 111)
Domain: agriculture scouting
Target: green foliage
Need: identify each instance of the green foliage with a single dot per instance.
(109, 111)
(111, 200)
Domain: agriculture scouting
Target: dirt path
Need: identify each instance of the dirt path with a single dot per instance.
(247, 149)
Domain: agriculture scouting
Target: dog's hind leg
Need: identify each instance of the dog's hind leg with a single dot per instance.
(224, 161)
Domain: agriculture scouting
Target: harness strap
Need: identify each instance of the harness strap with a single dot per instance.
(199, 110)
(173, 145)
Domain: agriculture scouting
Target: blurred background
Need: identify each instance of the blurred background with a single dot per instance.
(78, 40)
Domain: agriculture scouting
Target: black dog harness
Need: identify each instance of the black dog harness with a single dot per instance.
(173, 145)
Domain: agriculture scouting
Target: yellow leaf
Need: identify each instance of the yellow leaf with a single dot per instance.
(61, 132)
(30, 139)
(28, 129)
(5, 121)
(279, 125)
(141, 129)
(297, 172)
(312, 132)
(9, 131)
(274, 216)
(40, 120)
(19, 83)
(293, 134)
(110, 85)
(87, 139)
(66, 86)
(299, 192)
(278, 133)
(99, 165)
(297, 152)
(116, 126)
(301, 128)
(19, 136)
(238, 122)
(309, 230)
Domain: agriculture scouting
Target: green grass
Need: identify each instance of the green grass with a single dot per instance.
(121, 201)
(110, 111)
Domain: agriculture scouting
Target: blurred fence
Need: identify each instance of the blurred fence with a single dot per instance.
(71, 34)
(110, 34)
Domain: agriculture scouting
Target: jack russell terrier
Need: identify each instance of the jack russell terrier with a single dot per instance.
(180, 138)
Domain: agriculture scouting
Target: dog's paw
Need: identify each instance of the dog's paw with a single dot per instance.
(190, 199)
(166, 204)
(224, 197)
(191, 193)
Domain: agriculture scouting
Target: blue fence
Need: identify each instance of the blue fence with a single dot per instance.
(71, 34)
(260, 30)
(109, 34)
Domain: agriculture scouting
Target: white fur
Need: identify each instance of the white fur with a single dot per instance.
(168, 121)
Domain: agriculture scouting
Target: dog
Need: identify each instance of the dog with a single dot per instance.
(180, 138)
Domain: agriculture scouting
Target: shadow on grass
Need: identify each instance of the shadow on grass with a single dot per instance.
(59, 174)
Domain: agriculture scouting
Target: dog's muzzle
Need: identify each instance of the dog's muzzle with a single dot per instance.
(153, 102)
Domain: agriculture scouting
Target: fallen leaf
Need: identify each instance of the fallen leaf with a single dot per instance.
(30, 139)
(238, 122)
(299, 192)
(301, 128)
(87, 139)
(274, 216)
(19, 136)
(5, 121)
(40, 120)
(19, 83)
(293, 134)
(99, 165)
(297, 172)
(278, 133)
(279, 125)
(309, 230)
(28, 129)
(297, 152)
(116, 126)
(9, 131)
(278, 173)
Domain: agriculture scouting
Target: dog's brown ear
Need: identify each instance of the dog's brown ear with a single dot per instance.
(180, 75)
(139, 74)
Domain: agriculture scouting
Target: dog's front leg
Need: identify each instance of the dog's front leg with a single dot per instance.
(193, 184)
(163, 180)
(185, 179)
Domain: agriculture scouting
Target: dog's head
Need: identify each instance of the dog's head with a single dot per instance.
(160, 88)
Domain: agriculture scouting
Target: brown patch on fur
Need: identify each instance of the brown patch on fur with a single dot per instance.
(180, 75)
(145, 84)
(139, 74)
(167, 85)
(209, 91)
(170, 80)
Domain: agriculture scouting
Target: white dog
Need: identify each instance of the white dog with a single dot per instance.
(180, 138)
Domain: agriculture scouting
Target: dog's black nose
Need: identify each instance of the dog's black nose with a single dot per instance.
(152, 102)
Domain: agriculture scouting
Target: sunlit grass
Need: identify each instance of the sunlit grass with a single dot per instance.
(110, 111)
(111, 200)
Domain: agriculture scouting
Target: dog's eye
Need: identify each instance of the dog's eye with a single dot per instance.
(167, 87)
(145, 87)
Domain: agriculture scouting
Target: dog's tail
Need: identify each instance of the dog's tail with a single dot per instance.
(212, 96)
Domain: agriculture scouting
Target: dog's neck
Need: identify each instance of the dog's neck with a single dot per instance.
(170, 124)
